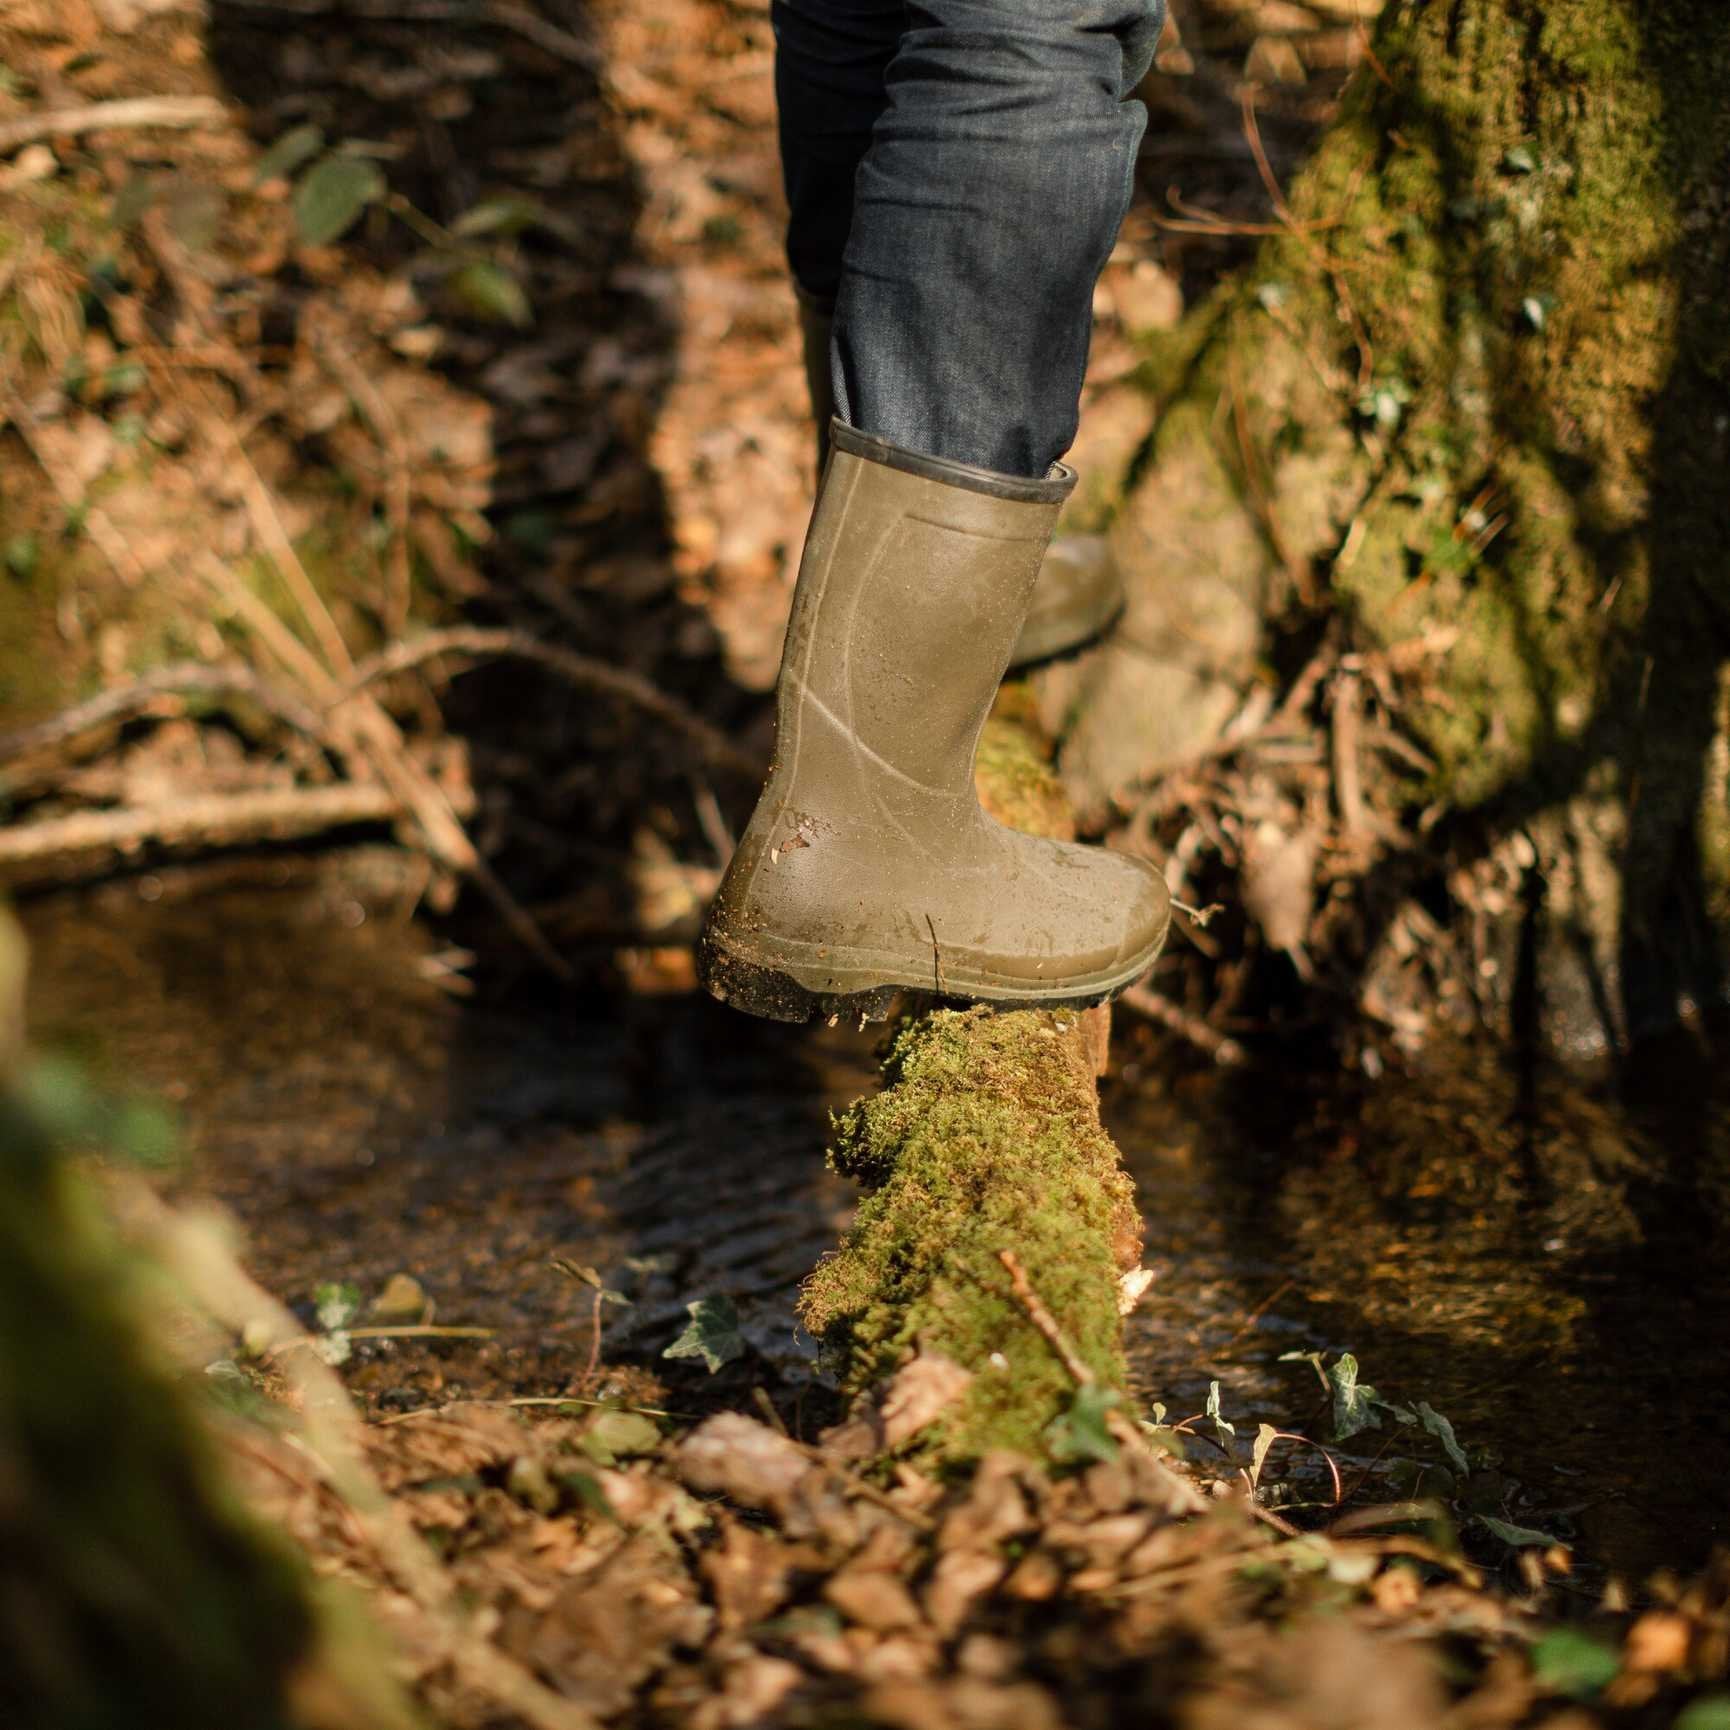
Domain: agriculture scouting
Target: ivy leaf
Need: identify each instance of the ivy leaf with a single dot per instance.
(1443, 1431)
(1571, 1662)
(336, 1304)
(1355, 1402)
(712, 1334)
(489, 291)
(330, 196)
(1521, 1537)
(1081, 1432)
(296, 146)
(1211, 1412)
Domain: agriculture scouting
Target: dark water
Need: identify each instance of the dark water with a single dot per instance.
(1541, 1264)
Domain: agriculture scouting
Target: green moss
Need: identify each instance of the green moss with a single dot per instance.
(986, 1137)
(1016, 782)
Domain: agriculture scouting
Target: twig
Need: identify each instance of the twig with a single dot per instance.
(1080, 1371)
(1184, 1495)
(1252, 132)
(577, 669)
(133, 111)
(379, 415)
(142, 695)
(936, 957)
(1333, 1468)
(367, 736)
(206, 820)
(1348, 779)
(267, 525)
(527, 1400)
(416, 1331)
(1224, 1050)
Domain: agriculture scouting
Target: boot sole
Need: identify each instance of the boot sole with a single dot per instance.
(776, 994)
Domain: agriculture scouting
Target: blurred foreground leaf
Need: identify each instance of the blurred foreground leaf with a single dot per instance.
(1572, 1662)
(1081, 1433)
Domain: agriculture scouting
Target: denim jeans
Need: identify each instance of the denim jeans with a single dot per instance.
(956, 172)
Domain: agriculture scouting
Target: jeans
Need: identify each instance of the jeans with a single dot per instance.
(956, 172)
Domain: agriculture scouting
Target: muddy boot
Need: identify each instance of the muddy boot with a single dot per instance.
(868, 865)
(1079, 595)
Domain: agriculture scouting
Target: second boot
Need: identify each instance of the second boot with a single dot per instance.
(869, 864)
(1079, 594)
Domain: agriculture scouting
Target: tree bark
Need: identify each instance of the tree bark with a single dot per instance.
(1474, 403)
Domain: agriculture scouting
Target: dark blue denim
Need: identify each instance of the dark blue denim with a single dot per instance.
(957, 171)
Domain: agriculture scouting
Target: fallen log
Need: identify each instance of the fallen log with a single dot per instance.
(87, 843)
(985, 1139)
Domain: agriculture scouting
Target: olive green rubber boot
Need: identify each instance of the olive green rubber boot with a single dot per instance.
(868, 865)
(1079, 595)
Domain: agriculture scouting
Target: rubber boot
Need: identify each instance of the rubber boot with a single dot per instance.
(869, 865)
(1079, 595)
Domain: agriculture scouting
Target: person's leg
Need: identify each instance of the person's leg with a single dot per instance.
(830, 60)
(989, 199)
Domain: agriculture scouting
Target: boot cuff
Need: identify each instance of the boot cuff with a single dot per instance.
(1021, 489)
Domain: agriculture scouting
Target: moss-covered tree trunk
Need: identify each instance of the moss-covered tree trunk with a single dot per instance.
(1476, 399)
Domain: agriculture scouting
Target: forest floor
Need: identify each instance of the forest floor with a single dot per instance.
(474, 320)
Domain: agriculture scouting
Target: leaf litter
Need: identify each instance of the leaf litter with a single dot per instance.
(731, 1573)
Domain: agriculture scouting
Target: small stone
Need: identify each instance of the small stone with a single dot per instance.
(403, 1302)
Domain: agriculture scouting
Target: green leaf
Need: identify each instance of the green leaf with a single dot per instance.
(712, 1335)
(1709, 1712)
(1569, 1661)
(510, 214)
(336, 1303)
(1443, 1431)
(299, 144)
(618, 1435)
(330, 196)
(1521, 1537)
(21, 553)
(1211, 1411)
(489, 291)
(588, 1491)
(1081, 1433)
(1355, 1402)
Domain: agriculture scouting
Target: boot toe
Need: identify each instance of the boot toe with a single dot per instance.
(1145, 905)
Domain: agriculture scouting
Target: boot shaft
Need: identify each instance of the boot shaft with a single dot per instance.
(916, 578)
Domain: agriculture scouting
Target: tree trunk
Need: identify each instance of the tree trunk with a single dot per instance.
(1473, 404)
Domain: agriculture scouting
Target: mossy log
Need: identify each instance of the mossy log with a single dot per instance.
(133, 1588)
(985, 1138)
(1472, 400)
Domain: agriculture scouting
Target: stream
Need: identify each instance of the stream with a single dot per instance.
(1537, 1260)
